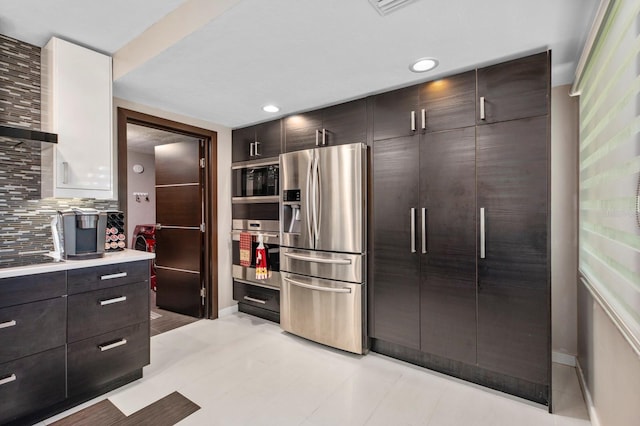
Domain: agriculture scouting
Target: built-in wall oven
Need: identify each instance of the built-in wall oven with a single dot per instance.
(255, 213)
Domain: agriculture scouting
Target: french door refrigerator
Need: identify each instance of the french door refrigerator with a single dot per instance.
(323, 245)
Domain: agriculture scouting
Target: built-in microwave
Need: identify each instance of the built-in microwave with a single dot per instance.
(256, 181)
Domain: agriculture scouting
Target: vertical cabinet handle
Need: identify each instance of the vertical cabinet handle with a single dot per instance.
(482, 235)
(8, 379)
(317, 137)
(424, 119)
(413, 230)
(251, 149)
(324, 137)
(413, 121)
(255, 148)
(482, 112)
(424, 230)
(8, 324)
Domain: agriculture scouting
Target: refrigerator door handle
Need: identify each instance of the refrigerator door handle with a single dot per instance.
(308, 205)
(315, 287)
(315, 190)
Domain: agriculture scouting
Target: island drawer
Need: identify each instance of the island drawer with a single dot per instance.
(100, 311)
(31, 288)
(99, 277)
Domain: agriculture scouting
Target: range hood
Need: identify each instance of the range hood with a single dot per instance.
(27, 134)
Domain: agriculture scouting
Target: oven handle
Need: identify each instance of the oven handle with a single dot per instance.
(315, 287)
(318, 259)
(256, 233)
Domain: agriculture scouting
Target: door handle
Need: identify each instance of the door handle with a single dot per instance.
(482, 111)
(413, 121)
(413, 230)
(112, 276)
(251, 299)
(315, 287)
(318, 259)
(308, 202)
(424, 230)
(482, 234)
(114, 300)
(112, 345)
(424, 119)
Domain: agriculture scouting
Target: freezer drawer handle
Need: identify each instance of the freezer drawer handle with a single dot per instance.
(112, 345)
(319, 259)
(112, 276)
(315, 287)
(251, 299)
(9, 379)
(112, 301)
(8, 324)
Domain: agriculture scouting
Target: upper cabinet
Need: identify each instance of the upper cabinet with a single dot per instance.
(337, 125)
(444, 104)
(258, 141)
(514, 89)
(77, 105)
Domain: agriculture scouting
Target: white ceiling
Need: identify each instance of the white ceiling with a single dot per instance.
(303, 54)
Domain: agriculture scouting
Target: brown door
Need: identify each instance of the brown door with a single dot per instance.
(179, 238)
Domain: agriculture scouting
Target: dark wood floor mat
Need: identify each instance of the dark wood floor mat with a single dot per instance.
(166, 411)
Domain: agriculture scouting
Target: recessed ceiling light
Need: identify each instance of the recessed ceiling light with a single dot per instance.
(270, 108)
(423, 64)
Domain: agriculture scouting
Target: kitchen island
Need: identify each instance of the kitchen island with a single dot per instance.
(70, 331)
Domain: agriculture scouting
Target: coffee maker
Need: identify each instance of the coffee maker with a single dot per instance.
(83, 233)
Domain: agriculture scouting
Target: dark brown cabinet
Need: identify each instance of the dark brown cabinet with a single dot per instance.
(337, 125)
(395, 265)
(515, 89)
(513, 282)
(257, 141)
(444, 104)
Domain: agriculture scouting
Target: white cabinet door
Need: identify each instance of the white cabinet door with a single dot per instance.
(77, 104)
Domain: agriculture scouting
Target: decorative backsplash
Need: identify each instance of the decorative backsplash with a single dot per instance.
(24, 217)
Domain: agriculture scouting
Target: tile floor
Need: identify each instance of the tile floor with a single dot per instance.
(245, 371)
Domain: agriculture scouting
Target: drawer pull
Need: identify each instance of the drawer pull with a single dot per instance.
(251, 299)
(112, 345)
(112, 276)
(114, 300)
(11, 378)
(8, 324)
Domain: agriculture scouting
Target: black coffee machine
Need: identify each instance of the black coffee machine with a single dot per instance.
(82, 232)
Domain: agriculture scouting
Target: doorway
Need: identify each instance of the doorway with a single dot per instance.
(182, 200)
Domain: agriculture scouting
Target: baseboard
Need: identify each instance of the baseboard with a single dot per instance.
(591, 408)
(562, 358)
(228, 311)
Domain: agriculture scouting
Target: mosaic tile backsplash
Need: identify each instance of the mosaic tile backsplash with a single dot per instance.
(24, 217)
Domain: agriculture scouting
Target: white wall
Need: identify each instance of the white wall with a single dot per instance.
(223, 184)
(564, 218)
(140, 211)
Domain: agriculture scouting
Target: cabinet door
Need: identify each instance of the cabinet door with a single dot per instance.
(301, 130)
(396, 267)
(449, 103)
(513, 276)
(448, 246)
(345, 123)
(514, 89)
(268, 136)
(392, 113)
(241, 140)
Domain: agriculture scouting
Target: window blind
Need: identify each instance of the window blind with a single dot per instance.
(609, 181)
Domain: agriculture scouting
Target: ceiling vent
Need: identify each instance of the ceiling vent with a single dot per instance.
(385, 7)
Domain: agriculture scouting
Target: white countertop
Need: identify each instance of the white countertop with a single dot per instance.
(124, 256)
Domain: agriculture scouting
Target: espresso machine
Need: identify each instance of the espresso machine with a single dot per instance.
(82, 232)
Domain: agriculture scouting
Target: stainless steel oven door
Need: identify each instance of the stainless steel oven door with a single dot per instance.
(271, 237)
(325, 311)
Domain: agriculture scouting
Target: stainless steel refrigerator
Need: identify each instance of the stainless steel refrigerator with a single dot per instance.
(323, 245)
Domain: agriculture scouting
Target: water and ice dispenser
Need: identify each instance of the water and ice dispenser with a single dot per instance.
(291, 211)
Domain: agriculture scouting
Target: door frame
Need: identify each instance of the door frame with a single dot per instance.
(210, 270)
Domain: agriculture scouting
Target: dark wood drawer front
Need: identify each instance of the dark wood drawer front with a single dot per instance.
(31, 328)
(95, 362)
(31, 383)
(31, 288)
(100, 311)
(260, 297)
(99, 277)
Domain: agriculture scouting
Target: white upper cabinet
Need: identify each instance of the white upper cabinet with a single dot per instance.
(77, 105)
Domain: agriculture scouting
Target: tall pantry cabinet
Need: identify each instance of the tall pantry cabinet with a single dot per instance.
(459, 280)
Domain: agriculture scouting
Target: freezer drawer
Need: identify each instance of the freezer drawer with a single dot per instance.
(328, 312)
(333, 266)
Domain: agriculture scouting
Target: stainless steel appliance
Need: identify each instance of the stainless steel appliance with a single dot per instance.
(83, 233)
(323, 247)
(269, 229)
(255, 181)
